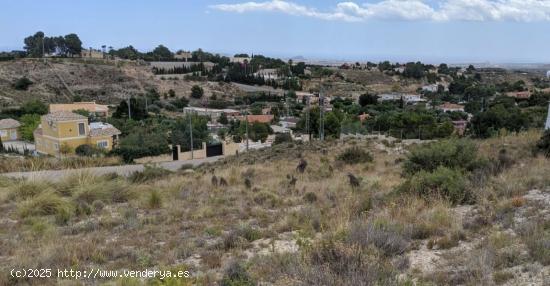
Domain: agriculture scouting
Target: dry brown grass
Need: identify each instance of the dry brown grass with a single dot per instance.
(24, 164)
(345, 234)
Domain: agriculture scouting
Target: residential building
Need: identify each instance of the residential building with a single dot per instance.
(240, 60)
(98, 110)
(64, 128)
(430, 87)
(280, 129)
(413, 99)
(301, 96)
(450, 107)
(181, 55)
(213, 113)
(289, 122)
(460, 126)
(8, 129)
(519, 94)
(260, 118)
(389, 97)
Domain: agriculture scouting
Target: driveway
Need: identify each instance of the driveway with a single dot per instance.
(123, 170)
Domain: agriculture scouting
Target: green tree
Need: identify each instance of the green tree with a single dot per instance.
(181, 132)
(33, 44)
(223, 119)
(488, 123)
(22, 83)
(171, 93)
(140, 144)
(73, 44)
(197, 92)
(161, 53)
(34, 106)
(367, 99)
(29, 123)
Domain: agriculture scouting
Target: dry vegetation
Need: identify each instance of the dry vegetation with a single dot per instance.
(106, 82)
(258, 218)
(18, 163)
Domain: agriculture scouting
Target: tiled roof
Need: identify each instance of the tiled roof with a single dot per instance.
(9, 123)
(104, 132)
(63, 116)
(260, 118)
(448, 105)
(89, 106)
(103, 129)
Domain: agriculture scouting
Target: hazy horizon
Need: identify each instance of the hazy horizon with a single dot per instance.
(451, 31)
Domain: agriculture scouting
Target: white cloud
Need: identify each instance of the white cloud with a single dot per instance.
(409, 10)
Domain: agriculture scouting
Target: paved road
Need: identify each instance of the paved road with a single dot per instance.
(124, 170)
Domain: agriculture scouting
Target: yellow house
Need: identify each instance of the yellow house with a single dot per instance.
(62, 132)
(8, 129)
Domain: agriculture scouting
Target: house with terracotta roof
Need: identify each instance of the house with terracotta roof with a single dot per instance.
(260, 118)
(93, 108)
(450, 107)
(64, 131)
(519, 94)
(8, 129)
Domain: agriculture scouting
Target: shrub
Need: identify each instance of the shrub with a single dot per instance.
(150, 172)
(88, 150)
(336, 264)
(543, 146)
(355, 155)
(197, 92)
(22, 83)
(281, 138)
(310, 197)
(454, 154)
(154, 201)
(236, 275)
(27, 189)
(383, 235)
(46, 203)
(442, 182)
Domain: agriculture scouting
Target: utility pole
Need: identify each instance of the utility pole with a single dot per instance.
(307, 120)
(129, 108)
(191, 134)
(146, 106)
(43, 53)
(246, 119)
(321, 116)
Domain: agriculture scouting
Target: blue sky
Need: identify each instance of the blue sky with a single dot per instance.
(454, 31)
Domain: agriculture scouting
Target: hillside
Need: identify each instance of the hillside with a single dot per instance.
(352, 217)
(103, 81)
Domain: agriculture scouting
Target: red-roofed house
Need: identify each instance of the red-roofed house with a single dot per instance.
(260, 118)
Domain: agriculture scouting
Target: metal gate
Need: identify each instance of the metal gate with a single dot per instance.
(214, 150)
(175, 153)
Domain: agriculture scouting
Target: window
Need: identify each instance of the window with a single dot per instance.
(3, 133)
(56, 146)
(103, 144)
(81, 129)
